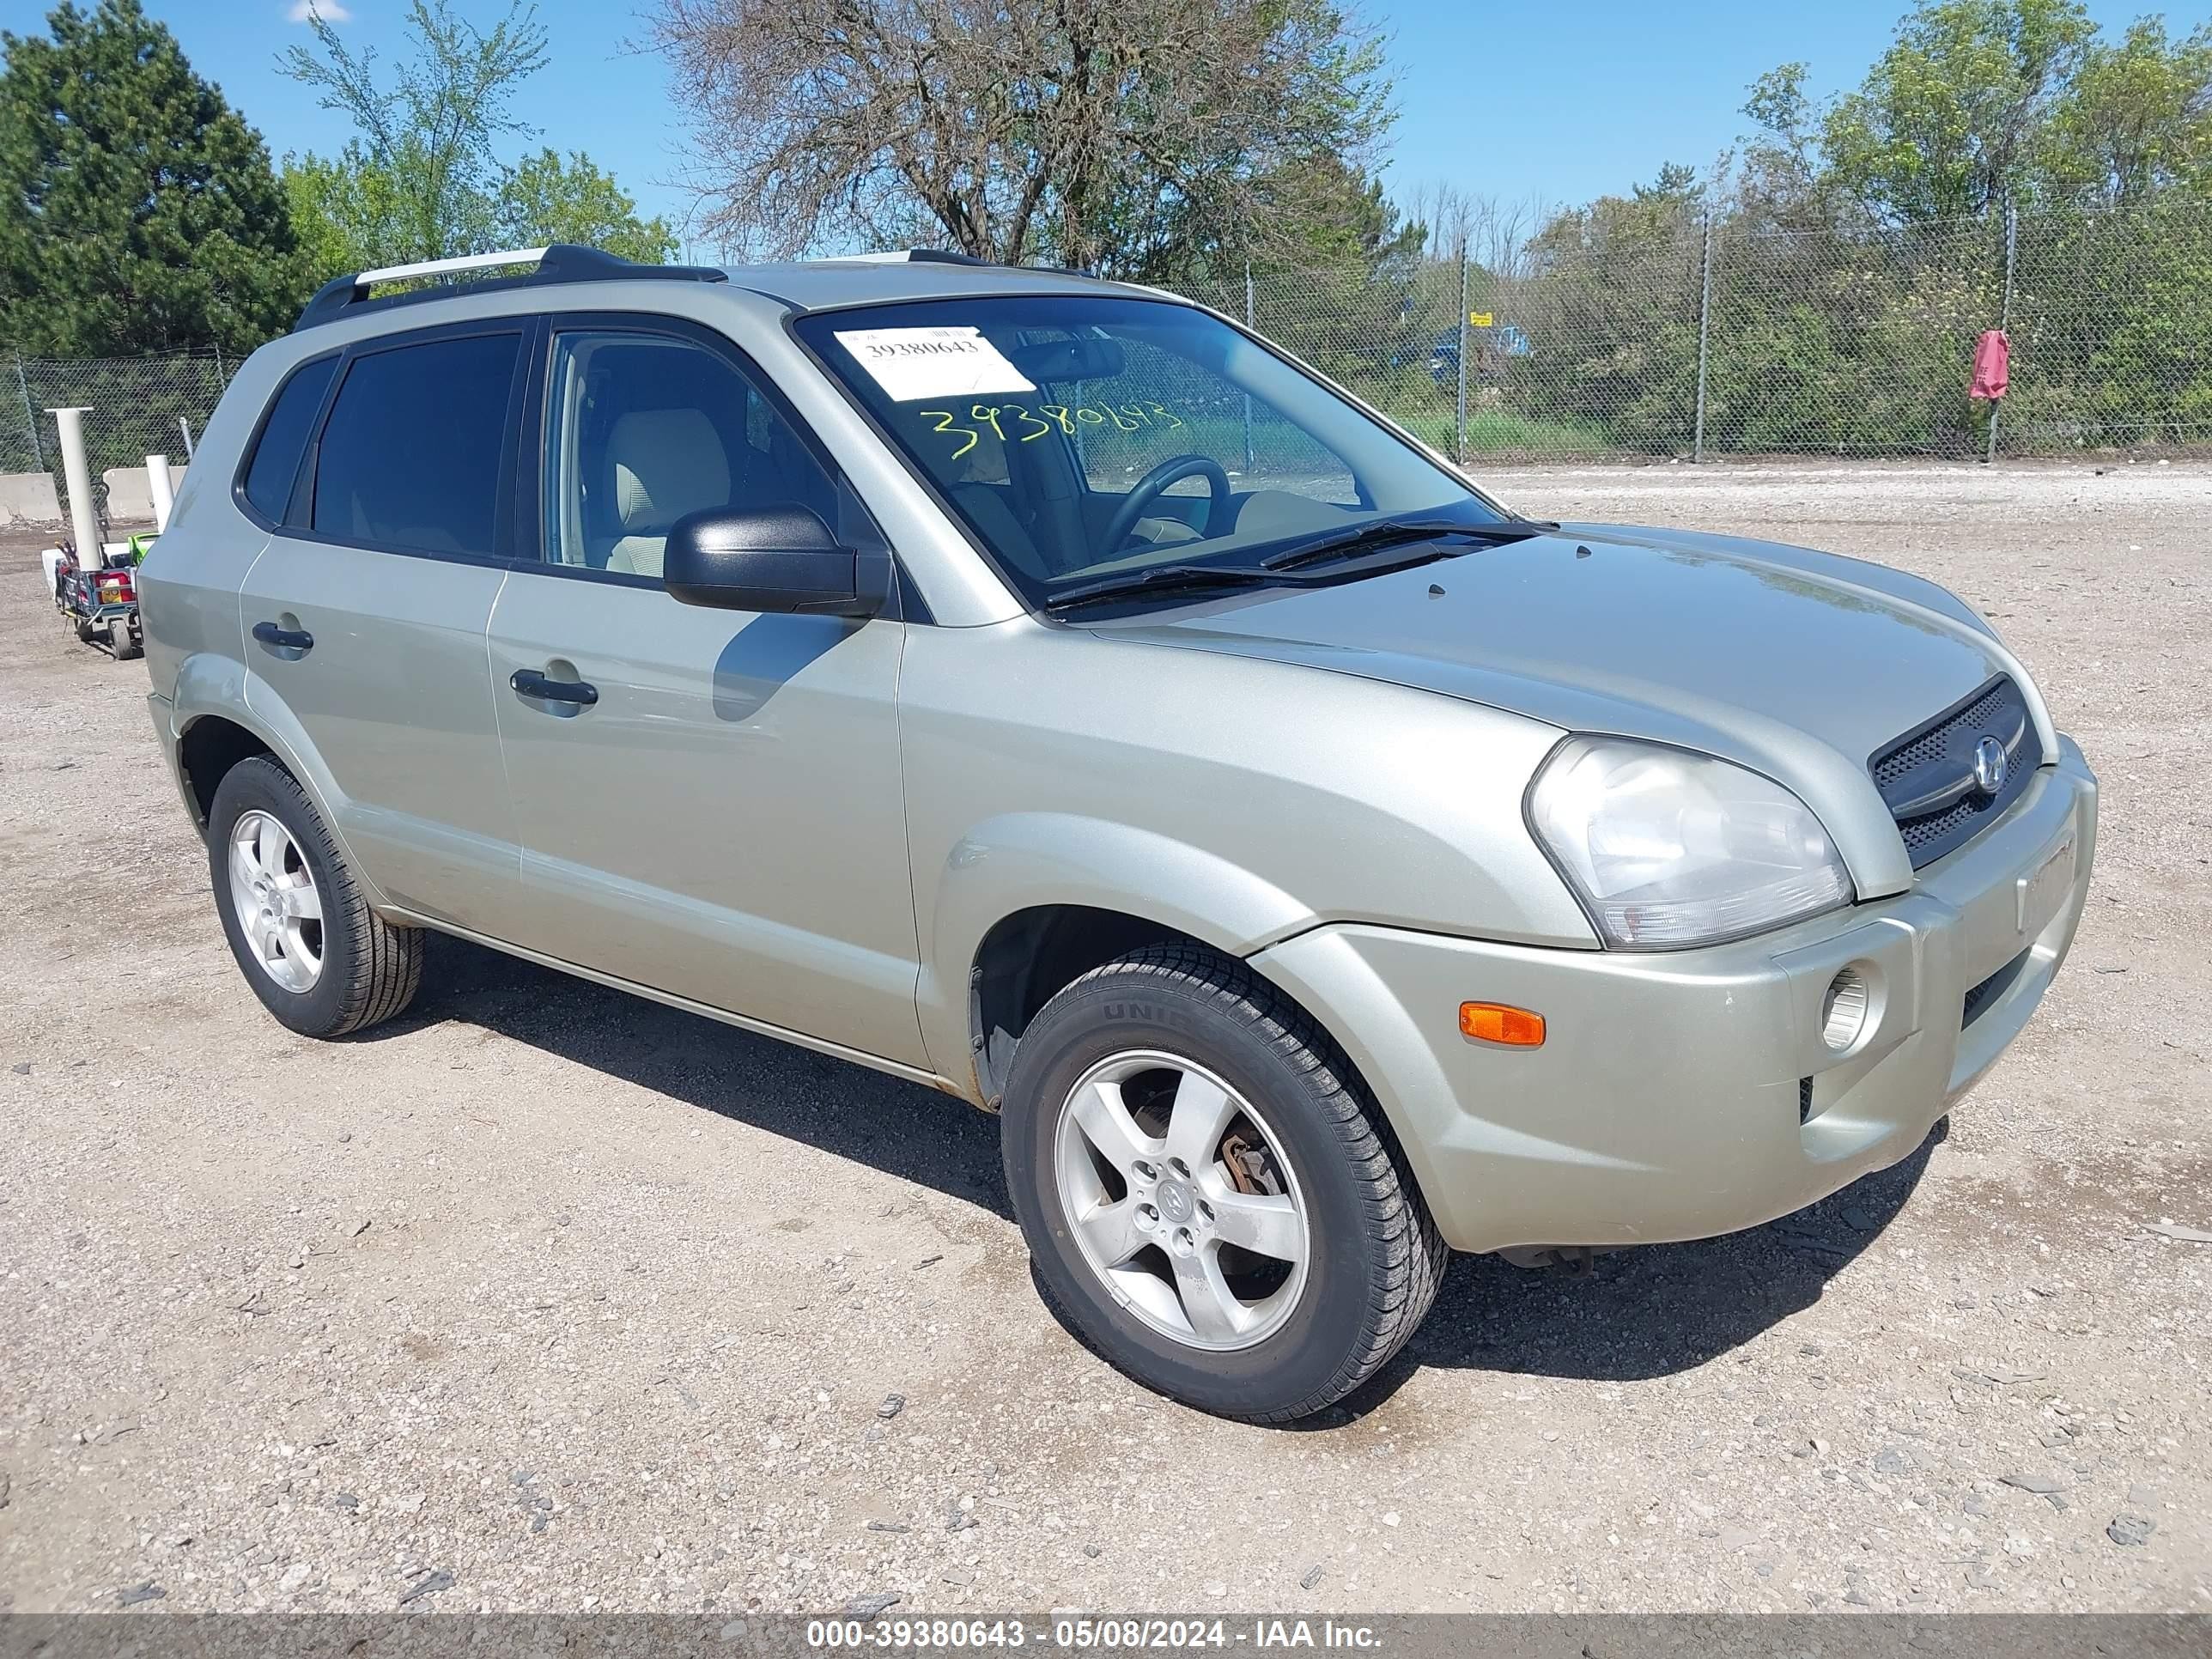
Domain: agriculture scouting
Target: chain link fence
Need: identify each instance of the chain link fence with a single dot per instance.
(136, 406)
(1670, 334)
(1679, 336)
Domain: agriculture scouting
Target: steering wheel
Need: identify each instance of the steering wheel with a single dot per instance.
(1149, 487)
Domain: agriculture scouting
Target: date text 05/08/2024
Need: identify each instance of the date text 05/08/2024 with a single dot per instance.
(1084, 1634)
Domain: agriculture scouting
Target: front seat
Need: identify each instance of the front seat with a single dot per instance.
(666, 462)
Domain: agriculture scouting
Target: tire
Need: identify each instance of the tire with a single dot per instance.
(84, 631)
(365, 970)
(124, 641)
(1371, 1257)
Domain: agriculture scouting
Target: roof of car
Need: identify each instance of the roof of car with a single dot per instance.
(803, 285)
(820, 284)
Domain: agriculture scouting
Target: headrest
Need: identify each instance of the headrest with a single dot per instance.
(668, 462)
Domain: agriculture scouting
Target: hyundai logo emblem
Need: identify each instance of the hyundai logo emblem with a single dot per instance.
(1989, 762)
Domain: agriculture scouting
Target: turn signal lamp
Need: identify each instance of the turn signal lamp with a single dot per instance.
(1498, 1021)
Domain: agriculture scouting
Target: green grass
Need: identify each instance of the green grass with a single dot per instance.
(1492, 430)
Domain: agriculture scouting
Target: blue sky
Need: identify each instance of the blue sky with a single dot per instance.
(1561, 102)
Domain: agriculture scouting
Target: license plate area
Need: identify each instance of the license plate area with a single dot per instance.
(2039, 894)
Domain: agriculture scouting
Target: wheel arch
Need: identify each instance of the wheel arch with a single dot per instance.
(223, 715)
(1070, 886)
(207, 747)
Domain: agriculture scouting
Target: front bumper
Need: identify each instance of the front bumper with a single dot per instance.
(1682, 1095)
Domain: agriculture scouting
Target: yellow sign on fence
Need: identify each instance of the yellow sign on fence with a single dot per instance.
(1480, 318)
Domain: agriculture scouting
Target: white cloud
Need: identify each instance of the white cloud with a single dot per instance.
(328, 10)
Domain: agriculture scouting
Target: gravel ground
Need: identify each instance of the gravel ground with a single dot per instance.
(547, 1297)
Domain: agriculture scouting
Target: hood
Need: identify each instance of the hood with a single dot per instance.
(1797, 664)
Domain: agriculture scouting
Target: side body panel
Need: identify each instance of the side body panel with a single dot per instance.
(395, 699)
(726, 821)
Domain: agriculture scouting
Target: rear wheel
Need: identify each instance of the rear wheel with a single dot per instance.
(122, 639)
(298, 922)
(1211, 1199)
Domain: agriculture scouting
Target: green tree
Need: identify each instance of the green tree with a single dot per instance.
(1614, 302)
(423, 179)
(425, 159)
(545, 199)
(2136, 121)
(140, 211)
(1948, 121)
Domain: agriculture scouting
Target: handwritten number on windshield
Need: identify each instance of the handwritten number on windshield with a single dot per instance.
(944, 425)
(1035, 423)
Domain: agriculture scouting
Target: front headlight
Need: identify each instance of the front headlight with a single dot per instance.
(1668, 849)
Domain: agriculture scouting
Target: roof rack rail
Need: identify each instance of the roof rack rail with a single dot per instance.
(935, 256)
(898, 256)
(562, 262)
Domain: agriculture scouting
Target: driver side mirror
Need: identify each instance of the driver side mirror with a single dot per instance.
(782, 558)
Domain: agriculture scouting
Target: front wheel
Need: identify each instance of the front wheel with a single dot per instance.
(1211, 1199)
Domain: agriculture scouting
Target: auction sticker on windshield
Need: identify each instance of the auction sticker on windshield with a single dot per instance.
(944, 362)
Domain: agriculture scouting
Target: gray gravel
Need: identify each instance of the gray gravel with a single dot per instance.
(584, 1303)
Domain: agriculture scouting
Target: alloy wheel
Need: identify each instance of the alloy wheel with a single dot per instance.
(274, 895)
(1181, 1200)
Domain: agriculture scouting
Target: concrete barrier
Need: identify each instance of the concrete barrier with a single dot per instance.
(29, 498)
(130, 497)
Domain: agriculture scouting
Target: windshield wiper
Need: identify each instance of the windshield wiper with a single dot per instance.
(1159, 576)
(1281, 567)
(1382, 532)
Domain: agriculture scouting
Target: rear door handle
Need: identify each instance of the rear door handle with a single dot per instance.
(529, 683)
(284, 638)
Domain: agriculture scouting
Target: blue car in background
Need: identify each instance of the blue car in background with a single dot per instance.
(1498, 340)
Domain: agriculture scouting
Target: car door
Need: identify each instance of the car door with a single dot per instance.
(364, 616)
(723, 820)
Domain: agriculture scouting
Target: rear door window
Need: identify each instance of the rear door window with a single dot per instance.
(410, 458)
(283, 438)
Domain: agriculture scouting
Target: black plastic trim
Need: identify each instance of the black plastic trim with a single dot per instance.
(1954, 796)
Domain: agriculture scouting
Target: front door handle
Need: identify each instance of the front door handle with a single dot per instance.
(284, 638)
(529, 683)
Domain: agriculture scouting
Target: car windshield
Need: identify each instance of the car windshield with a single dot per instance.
(1085, 438)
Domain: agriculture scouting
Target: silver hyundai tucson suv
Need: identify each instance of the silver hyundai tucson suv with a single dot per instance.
(1050, 691)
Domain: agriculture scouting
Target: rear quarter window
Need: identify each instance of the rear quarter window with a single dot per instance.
(283, 437)
(410, 458)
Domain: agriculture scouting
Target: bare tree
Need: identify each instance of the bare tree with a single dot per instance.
(1116, 135)
(1492, 232)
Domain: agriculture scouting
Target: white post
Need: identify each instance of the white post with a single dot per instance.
(159, 487)
(76, 473)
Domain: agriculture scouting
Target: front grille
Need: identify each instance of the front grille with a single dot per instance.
(1927, 776)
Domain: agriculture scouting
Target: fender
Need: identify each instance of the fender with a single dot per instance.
(210, 683)
(1022, 859)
